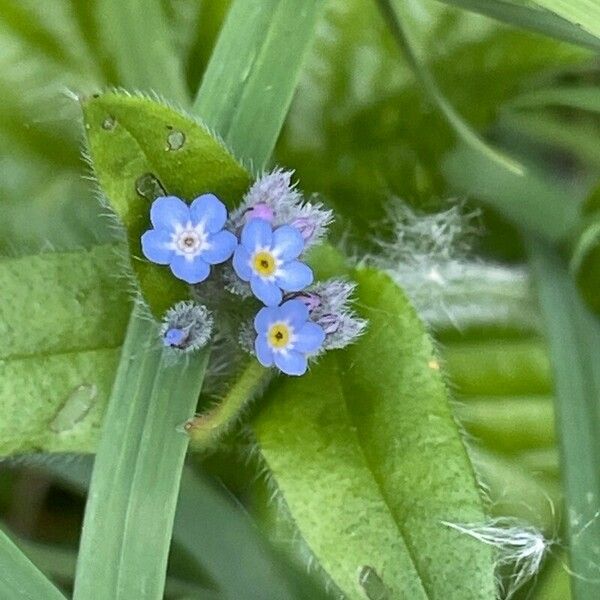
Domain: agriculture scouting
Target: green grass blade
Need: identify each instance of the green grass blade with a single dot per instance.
(135, 32)
(131, 507)
(526, 17)
(252, 74)
(574, 336)
(582, 98)
(538, 201)
(583, 14)
(20, 579)
(393, 11)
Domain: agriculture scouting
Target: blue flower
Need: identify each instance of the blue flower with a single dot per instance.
(268, 260)
(188, 238)
(286, 336)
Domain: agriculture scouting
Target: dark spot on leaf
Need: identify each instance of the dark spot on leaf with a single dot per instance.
(372, 584)
(148, 186)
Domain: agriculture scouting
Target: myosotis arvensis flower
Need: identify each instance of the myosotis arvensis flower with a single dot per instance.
(267, 236)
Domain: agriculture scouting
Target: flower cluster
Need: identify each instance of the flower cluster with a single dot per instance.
(266, 238)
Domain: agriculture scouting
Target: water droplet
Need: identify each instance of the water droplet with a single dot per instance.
(149, 187)
(75, 407)
(175, 140)
(372, 584)
(109, 123)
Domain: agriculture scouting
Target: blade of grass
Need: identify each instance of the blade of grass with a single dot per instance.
(530, 18)
(584, 14)
(393, 12)
(583, 98)
(574, 337)
(135, 32)
(20, 579)
(209, 527)
(252, 74)
(135, 483)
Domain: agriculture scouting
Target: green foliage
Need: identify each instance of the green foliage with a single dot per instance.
(250, 80)
(141, 147)
(62, 322)
(20, 579)
(369, 434)
(361, 131)
(574, 337)
(135, 483)
(528, 17)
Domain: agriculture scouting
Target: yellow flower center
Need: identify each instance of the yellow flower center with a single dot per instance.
(279, 335)
(264, 263)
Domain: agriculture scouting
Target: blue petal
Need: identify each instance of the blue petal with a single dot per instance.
(257, 233)
(168, 211)
(265, 317)
(310, 338)
(263, 352)
(288, 242)
(294, 276)
(210, 211)
(241, 263)
(222, 245)
(291, 363)
(268, 293)
(295, 312)
(190, 271)
(154, 246)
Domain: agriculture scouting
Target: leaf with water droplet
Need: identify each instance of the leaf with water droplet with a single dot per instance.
(57, 375)
(362, 466)
(175, 140)
(196, 163)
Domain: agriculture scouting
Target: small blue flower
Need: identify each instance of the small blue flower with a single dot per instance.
(188, 238)
(286, 336)
(268, 260)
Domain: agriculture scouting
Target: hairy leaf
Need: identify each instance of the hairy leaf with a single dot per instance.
(140, 147)
(369, 435)
(62, 321)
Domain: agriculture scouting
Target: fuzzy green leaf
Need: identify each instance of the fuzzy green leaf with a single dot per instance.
(142, 147)
(56, 376)
(370, 432)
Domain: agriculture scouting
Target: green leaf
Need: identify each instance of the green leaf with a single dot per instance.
(535, 200)
(130, 511)
(530, 18)
(138, 145)
(210, 526)
(580, 97)
(136, 34)
(368, 459)
(394, 12)
(583, 14)
(20, 579)
(574, 337)
(252, 75)
(57, 374)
